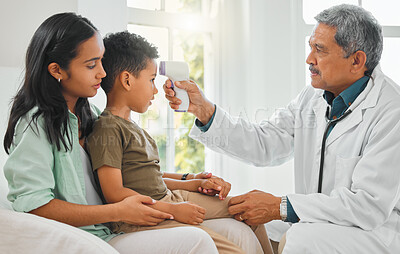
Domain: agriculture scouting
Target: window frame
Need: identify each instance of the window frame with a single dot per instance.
(178, 21)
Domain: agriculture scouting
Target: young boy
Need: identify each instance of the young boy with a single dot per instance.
(125, 157)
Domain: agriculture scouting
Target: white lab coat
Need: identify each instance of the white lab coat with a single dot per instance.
(361, 179)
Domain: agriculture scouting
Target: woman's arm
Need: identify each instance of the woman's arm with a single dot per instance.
(133, 210)
(75, 214)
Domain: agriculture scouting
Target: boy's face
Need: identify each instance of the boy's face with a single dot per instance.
(143, 89)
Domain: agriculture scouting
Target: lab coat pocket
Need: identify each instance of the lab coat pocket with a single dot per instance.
(344, 171)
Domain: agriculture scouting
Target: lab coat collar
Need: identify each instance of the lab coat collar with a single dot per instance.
(319, 108)
(367, 99)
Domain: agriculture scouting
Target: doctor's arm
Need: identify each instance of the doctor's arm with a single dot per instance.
(262, 144)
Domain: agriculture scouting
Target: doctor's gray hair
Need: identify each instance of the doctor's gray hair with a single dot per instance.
(356, 29)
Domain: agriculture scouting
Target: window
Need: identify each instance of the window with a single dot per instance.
(179, 6)
(189, 154)
(312, 7)
(147, 5)
(385, 11)
(173, 6)
(155, 119)
(390, 61)
(179, 28)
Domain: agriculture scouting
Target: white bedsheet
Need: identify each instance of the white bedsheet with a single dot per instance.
(27, 233)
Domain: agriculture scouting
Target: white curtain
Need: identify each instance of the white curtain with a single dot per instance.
(261, 68)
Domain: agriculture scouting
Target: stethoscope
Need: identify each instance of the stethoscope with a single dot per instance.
(330, 123)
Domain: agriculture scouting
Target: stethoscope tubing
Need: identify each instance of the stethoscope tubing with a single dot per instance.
(330, 123)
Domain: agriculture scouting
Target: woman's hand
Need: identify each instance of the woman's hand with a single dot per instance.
(134, 210)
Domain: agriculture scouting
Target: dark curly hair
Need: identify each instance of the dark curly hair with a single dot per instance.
(125, 52)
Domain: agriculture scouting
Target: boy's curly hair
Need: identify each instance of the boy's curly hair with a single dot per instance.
(125, 51)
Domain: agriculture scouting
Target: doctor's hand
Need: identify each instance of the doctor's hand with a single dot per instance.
(255, 207)
(199, 105)
(136, 210)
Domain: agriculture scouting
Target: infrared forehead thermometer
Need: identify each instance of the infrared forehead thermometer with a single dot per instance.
(177, 71)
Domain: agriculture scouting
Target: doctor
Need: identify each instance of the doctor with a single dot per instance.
(344, 135)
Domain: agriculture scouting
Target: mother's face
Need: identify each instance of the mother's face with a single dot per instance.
(85, 71)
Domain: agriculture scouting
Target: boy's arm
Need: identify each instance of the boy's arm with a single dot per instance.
(189, 185)
(189, 176)
(177, 176)
(209, 186)
(174, 181)
(111, 183)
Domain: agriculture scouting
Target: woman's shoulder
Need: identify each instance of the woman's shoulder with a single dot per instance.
(30, 116)
(30, 125)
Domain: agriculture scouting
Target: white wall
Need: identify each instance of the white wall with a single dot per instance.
(19, 19)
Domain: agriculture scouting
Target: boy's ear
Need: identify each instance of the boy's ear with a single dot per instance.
(126, 80)
(55, 70)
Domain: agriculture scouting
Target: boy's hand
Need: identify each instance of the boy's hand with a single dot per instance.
(133, 210)
(215, 185)
(202, 175)
(189, 213)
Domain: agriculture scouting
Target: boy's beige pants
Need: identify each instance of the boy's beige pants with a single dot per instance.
(215, 208)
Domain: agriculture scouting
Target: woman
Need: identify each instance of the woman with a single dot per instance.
(49, 121)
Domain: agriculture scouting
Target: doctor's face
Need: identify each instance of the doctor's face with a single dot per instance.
(330, 70)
